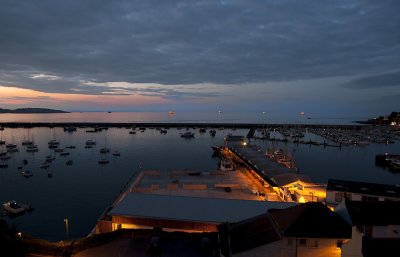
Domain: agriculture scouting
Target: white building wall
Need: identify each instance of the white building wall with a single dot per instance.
(356, 197)
(391, 231)
(279, 248)
(287, 248)
(353, 248)
(324, 248)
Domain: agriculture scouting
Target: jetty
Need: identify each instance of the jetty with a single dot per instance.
(287, 184)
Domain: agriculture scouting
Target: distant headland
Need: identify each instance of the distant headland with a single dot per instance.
(393, 119)
(31, 110)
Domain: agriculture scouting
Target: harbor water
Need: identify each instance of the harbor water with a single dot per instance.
(82, 191)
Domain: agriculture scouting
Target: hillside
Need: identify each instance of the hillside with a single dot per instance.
(31, 110)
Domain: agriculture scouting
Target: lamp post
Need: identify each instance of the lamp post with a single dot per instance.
(66, 228)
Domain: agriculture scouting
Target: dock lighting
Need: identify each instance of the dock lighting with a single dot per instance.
(302, 200)
(19, 234)
(66, 228)
(244, 143)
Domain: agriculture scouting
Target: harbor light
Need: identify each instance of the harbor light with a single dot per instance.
(244, 143)
(19, 234)
(66, 228)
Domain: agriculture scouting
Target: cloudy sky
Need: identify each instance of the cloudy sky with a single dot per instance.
(322, 57)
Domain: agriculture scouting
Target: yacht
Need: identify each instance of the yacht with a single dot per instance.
(53, 144)
(104, 150)
(187, 134)
(13, 207)
(32, 148)
(45, 165)
(27, 174)
(90, 142)
(103, 161)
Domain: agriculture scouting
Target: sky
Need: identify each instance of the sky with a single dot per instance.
(325, 58)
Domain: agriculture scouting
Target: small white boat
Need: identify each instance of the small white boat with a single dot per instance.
(116, 153)
(13, 207)
(27, 174)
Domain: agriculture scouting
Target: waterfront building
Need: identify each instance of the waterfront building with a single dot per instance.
(309, 229)
(375, 228)
(180, 213)
(339, 190)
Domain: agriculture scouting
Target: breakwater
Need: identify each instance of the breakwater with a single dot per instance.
(175, 125)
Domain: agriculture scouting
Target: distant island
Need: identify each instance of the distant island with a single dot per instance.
(31, 110)
(393, 119)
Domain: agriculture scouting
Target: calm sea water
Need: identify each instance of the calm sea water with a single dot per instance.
(81, 192)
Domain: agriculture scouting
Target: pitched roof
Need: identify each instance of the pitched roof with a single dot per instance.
(311, 220)
(187, 208)
(249, 233)
(364, 188)
(374, 213)
(288, 178)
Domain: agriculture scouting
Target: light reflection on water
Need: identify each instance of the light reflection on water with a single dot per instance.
(81, 192)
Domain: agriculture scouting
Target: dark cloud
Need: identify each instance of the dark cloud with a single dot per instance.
(375, 81)
(192, 42)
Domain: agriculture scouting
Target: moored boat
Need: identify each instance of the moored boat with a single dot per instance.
(13, 207)
(27, 173)
(103, 161)
(187, 134)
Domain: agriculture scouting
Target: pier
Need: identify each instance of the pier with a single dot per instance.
(287, 183)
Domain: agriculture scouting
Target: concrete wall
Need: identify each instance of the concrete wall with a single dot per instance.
(386, 231)
(353, 248)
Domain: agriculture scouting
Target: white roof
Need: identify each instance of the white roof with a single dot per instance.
(214, 210)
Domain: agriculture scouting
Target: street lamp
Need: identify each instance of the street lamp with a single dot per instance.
(66, 227)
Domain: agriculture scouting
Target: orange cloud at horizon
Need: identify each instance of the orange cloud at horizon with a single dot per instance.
(20, 96)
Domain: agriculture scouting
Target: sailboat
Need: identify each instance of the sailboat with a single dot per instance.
(2, 142)
(27, 141)
(53, 143)
(104, 151)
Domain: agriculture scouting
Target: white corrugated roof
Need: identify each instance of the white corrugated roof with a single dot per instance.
(214, 210)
